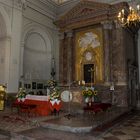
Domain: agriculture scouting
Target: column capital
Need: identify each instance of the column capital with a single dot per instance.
(4, 38)
(22, 43)
(19, 4)
(107, 24)
(69, 33)
(61, 36)
(117, 24)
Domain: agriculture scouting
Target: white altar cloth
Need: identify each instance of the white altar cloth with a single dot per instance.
(37, 97)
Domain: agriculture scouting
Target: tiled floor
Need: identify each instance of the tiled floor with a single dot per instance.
(129, 129)
(126, 128)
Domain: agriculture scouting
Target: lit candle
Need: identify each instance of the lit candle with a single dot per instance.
(130, 8)
(123, 11)
(79, 82)
(138, 7)
(119, 15)
(122, 20)
(83, 82)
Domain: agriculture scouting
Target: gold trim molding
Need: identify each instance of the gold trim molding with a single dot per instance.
(89, 41)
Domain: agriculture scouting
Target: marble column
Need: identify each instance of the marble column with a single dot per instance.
(136, 51)
(16, 26)
(118, 64)
(21, 58)
(69, 36)
(107, 29)
(6, 60)
(61, 59)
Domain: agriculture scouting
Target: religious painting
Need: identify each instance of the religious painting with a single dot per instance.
(27, 86)
(40, 86)
(89, 38)
(89, 53)
(89, 73)
(33, 85)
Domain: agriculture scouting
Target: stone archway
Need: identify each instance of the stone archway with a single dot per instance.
(5, 33)
(36, 54)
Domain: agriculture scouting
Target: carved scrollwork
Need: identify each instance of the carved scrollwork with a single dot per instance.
(20, 4)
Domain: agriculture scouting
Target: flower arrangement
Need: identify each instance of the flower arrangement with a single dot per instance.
(21, 94)
(53, 90)
(51, 83)
(55, 94)
(89, 92)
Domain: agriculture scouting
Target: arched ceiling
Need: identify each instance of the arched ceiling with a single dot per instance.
(104, 1)
(60, 1)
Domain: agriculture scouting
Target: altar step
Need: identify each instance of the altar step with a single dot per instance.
(74, 125)
(83, 123)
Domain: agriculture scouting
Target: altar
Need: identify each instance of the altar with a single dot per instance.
(39, 105)
(97, 107)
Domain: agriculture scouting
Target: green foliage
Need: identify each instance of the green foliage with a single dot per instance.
(21, 93)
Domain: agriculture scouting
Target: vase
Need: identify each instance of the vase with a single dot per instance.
(18, 99)
(86, 99)
(22, 99)
(89, 104)
(92, 99)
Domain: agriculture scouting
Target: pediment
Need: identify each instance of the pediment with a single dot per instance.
(84, 9)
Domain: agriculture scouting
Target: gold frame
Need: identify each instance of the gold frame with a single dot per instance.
(97, 53)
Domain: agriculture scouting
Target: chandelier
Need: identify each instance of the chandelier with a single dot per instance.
(130, 17)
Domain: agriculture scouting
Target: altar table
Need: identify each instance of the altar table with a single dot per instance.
(55, 106)
(97, 107)
(41, 104)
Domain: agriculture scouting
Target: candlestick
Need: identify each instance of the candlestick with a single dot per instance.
(53, 62)
(79, 82)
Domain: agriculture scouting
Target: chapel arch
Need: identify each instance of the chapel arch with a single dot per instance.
(5, 32)
(36, 53)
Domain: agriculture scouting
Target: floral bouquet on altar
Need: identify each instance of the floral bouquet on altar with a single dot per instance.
(55, 94)
(89, 93)
(21, 95)
(51, 83)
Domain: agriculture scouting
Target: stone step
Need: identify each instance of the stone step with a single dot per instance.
(72, 129)
(3, 137)
(76, 124)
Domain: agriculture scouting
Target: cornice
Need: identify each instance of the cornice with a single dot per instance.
(6, 2)
(17, 4)
(66, 6)
(85, 11)
(88, 12)
(46, 8)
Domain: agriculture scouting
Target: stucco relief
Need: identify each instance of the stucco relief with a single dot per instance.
(89, 38)
(8, 11)
(19, 4)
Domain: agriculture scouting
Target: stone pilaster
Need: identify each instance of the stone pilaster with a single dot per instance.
(21, 58)
(6, 41)
(61, 58)
(107, 29)
(19, 4)
(118, 64)
(69, 36)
